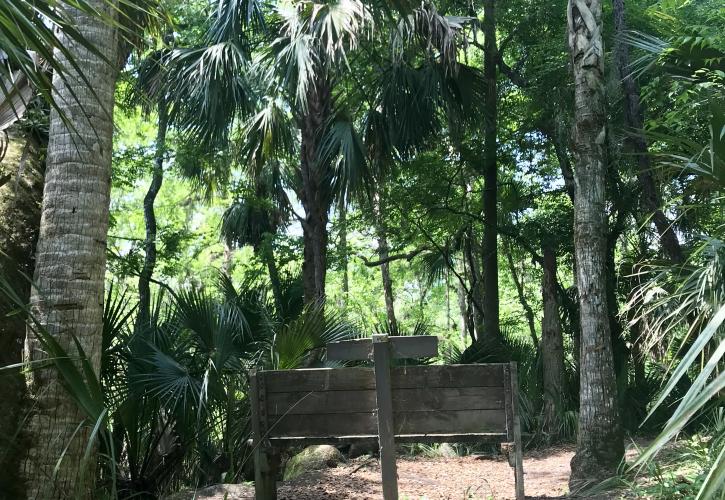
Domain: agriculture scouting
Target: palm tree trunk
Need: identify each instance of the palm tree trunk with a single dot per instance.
(157, 178)
(599, 443)
(315, 192)
(20, 199)
(552, 345)
(650, 198)
(70, 265)
(491, 325)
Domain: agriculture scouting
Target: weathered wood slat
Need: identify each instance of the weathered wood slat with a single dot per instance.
(418, 422)
(386, 430)
(420, 346)
(345, 379)
(419, 399)
(485, 438)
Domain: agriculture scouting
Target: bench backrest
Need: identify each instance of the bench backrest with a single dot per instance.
(430, 403)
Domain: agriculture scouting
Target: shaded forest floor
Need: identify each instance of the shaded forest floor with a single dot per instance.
(455, 478)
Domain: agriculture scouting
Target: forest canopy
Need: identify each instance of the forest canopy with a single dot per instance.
(191, 191)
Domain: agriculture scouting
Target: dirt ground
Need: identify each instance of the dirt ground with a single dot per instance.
(457, 478)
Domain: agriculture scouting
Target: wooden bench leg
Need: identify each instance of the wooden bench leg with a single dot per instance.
(518, 461)
(266, 467)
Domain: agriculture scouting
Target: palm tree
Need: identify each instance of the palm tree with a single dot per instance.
(296, 88)
(70, 265)
(599, 442)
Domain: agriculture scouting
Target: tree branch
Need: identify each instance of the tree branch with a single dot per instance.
(407, 256)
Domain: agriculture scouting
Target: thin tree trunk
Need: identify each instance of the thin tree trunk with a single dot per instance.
(552, 346)
(71, 257)
(383, 253)
(477, 297)
(599, 443)
(567, 173)
(491, 325)
(20, 200)
(650, 198)
(518, 283)
(274, 279)
(157, 178)
(315, 192)
(462, 306)
(344, 253)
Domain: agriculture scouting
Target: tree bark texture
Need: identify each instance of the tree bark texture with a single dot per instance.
(650, 199)
(599, 442)
(67, 296)
(157, 178)
(552, 345)
(491, 325)
(20, 200)
(315, 191)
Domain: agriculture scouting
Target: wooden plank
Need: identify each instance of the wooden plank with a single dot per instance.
(418, 346)
(458, 422)
(518, 446)
(324, 425)
(384, 398)
(346, 379)
(484, 437)
(348, 350)
(416, 422)
(507, 403)
(419, 399)
(265, 459)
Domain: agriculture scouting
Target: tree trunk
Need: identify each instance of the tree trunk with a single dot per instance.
(477, 293)
(552, 346)
(315, 191)
(463, 306)
(344, 253)
(71, 257)
(518, 283)
(20, 200)
(650, 200)
(567, 173)
(490, 172)
(383, 253)
(599, 443)
(274, 279)
(157, 178)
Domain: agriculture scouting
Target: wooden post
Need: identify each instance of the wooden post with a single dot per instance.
(386, 429)
(266, 459)
(518, 447)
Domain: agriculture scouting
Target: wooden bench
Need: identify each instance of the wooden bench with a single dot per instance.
(430, 404)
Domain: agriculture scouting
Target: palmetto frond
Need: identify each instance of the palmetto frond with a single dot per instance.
(296, 343)
(343, 149)
(438, 35)
(210, 89)
(315, 40)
